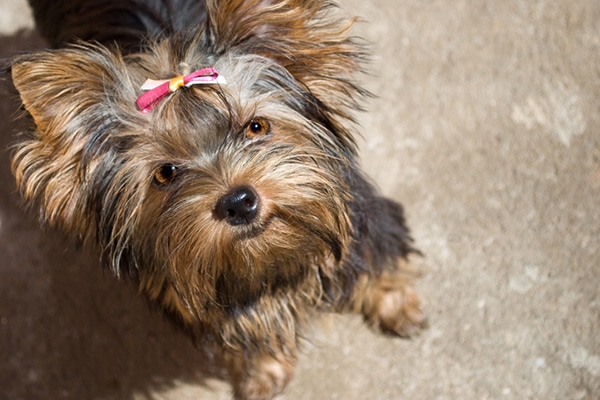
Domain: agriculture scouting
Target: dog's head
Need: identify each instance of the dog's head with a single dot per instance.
(212, 194)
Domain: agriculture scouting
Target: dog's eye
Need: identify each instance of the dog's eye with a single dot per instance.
(165, 174)
(257, 127)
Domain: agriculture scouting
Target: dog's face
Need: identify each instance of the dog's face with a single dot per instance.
(221, 192)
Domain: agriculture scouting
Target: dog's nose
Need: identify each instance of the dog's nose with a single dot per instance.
(238, 207)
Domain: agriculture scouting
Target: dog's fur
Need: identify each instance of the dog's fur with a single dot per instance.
(149, 188)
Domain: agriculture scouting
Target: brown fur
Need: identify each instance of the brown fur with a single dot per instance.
(147, 187)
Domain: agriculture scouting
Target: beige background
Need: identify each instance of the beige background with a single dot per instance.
(486, 128)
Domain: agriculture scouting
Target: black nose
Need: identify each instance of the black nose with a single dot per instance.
(239, 206)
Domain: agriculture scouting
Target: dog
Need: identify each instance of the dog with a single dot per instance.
(208, 150)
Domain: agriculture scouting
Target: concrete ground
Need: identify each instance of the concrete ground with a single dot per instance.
(487, 129)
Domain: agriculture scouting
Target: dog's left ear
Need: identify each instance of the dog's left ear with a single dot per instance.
(69, 86)
(308, 37)
(76, 97)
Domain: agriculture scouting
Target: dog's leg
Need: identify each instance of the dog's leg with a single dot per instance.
(260, 347)
(384, 291)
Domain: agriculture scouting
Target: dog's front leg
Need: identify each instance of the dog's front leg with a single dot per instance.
(260, 345)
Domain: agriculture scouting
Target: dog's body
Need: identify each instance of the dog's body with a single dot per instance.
(239, 207)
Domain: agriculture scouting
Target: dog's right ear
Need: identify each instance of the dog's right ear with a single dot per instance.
(77, 98)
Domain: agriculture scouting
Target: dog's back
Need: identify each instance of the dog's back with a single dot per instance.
(126, 22)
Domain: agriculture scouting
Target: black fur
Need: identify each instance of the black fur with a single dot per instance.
(125, 22)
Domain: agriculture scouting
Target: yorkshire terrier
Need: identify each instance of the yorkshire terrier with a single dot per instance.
(227, 185)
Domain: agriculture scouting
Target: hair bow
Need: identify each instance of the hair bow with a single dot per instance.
(157, 90)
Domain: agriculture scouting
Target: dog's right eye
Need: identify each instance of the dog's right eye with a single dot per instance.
(165, 174)
(257, 127)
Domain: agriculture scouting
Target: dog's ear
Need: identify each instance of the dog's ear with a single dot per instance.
(64, 90)
(75, 97)
(308, 37)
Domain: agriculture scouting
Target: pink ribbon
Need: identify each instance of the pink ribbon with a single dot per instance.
(157, 90)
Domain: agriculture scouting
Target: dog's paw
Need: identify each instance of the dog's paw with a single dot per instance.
(398, 311)
(390, 304)
(267, 377)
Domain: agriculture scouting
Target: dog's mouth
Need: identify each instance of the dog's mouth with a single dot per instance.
(254, 229)
(251, 214)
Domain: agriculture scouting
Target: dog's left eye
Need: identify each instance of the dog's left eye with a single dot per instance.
(257, 127)
(165, 174)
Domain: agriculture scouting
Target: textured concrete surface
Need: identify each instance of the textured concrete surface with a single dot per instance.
(486, 128)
